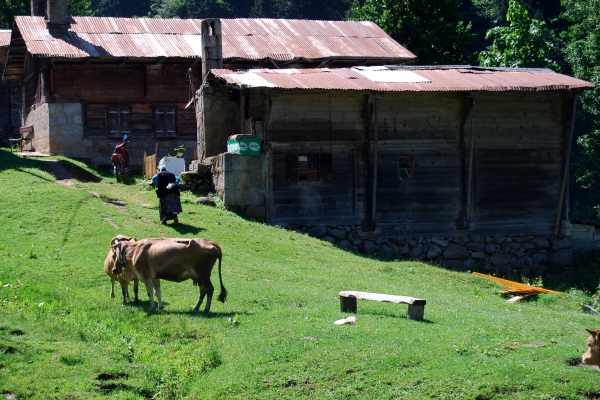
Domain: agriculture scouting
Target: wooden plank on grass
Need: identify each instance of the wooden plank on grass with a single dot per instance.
(516, 285)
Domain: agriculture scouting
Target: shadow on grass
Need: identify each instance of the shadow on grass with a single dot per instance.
(183, 228)
(143, 306)
(73, 171)
(387, 313)
(69, 225)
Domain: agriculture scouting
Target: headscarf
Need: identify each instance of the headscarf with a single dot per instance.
(162, 169)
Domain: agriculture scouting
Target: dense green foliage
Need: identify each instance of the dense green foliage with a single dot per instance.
(583, 55)
(433, 30)
(526, 42)
(10, 8)
(62, 336)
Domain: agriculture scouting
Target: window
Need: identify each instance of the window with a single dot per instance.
(308, 168)
(119, 120)
(405, 167)
(164, 120)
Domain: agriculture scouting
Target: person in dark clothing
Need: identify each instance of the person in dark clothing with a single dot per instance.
(167, 191)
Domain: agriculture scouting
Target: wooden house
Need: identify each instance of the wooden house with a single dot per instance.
(87, 81)
(398, 152)
(10, 100)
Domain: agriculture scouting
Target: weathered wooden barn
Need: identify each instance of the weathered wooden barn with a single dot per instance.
(10, 100)
(87, 81)
(397, 152)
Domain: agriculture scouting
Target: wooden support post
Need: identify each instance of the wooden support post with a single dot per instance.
(565, 176)
(474, 95)
(375, 151)
(348, 304)
(415, 312)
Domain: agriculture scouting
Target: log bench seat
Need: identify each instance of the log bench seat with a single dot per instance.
(416, 307)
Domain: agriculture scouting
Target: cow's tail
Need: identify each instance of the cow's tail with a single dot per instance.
(223, 294)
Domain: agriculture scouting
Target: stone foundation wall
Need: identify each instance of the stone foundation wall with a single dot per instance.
(38, 118)
(244, 178)
(527, 255)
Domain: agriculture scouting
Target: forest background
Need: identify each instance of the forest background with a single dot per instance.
(563, 35)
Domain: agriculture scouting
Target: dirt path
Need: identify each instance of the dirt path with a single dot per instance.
(60, 172)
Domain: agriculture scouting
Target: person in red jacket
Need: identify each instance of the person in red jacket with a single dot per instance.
(169, 205)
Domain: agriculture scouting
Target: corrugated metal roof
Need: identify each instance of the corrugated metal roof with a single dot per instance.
(252, 39)
(389, 79)
(4, 37)
(282, 39)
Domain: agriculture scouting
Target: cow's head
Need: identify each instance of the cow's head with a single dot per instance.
(121, 238)
(592, 355)
(118, 250)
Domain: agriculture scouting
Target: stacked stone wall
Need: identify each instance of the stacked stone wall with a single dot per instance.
(240, 182)
(525, 255)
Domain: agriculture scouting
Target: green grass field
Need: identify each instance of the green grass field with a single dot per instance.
(63, 337)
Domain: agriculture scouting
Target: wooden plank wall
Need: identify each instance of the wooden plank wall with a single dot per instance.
(518, 148)
(141, 86)
(423, 126)
(301, 116)
(312, 202)
(314, 122)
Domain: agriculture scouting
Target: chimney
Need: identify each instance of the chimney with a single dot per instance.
(38, 8)
(57, 16)
(212, 51)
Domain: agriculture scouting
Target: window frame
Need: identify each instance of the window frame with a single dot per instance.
(321, 161)
(308, 170)
(121, 121)
(409, 172)
(165, 108)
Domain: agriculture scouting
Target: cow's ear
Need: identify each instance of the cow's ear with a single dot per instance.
(595, 333)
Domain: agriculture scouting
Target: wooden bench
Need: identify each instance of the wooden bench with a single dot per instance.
(26, 133)
(416, 307)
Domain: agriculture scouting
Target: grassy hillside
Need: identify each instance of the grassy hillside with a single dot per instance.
(62, 336)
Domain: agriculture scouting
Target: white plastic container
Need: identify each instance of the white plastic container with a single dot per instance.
(175, 165)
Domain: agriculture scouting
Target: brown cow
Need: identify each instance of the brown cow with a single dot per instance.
(173, 260)
(123, 278)
(592, 355)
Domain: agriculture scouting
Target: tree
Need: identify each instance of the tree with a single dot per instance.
(526, 42)
(582, 52)
(432, 29)
(10, 8)
(121, 8)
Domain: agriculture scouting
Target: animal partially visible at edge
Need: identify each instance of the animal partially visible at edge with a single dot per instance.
(123, 278)
(592, 355)
(171, 259)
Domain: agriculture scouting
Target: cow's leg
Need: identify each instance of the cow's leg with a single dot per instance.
(206, 289)
(157, 292)
(150, 290)
(136, 284)
(112, 288)
(124, 290)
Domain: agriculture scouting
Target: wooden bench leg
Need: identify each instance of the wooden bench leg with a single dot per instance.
(415, 312)
(348, 304)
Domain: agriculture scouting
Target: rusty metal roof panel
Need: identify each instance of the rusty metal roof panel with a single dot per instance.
(102, 37)
(253, 39)
(5, 37)
(404, 79)
(307, 39)
(131, 26)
